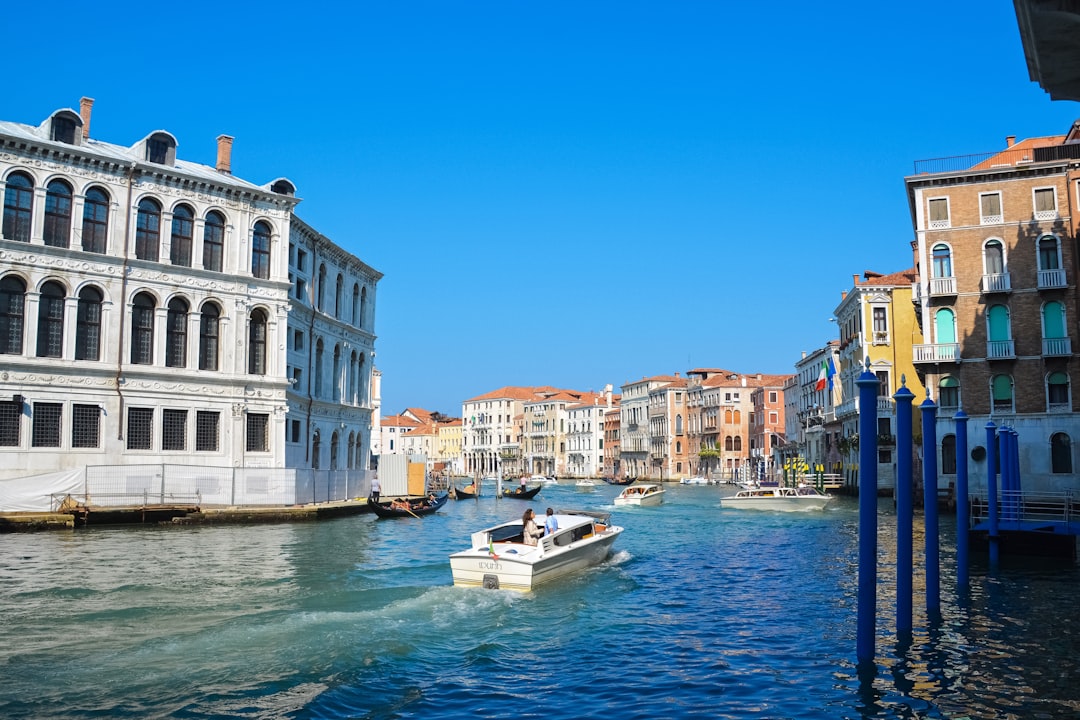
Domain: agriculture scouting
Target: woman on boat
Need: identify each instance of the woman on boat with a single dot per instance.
(528, 527)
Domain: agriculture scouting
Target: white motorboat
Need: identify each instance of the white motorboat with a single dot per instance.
(585, 484)
(543, 480)
(804, 497)
(499, 558)
(696, 480)
(641, 495)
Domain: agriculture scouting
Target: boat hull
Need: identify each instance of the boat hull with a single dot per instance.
(781, 504)
(641, 495)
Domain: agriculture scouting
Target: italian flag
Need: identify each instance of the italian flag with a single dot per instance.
(823, 377)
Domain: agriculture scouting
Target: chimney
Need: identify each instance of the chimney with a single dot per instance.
(1010, 140)
(224, 154)
(854, 279)
(85, 105)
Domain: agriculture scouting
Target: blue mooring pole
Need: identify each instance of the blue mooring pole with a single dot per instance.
(930, 508)
(991, 490)
(1006, 492)
(868, 476)
(963, 508)
(904, 509)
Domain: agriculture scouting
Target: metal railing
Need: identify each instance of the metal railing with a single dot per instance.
(1045, 508)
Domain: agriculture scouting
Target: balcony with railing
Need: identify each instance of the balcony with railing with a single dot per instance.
(1000, 350)
(1051, 279)
(1057, 347)
(942, 286)
(936, 353)
(996, 283)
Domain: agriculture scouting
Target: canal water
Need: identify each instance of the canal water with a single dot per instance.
(700, 612)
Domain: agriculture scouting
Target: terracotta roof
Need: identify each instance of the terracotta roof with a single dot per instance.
(752, 381)
(518, 393)
(1011, 155)
(398, 421)
(903, 277)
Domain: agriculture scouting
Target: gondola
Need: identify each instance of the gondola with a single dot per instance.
(520, 494)
(463, 494)
(416, 508)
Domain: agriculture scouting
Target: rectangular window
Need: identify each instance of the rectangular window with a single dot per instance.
(301, 260)
(139, 428)
(772, 397)
(174, 429)
(85, 426)
(773, 418)
(301, 289)
(45, 429)
(294, 431)
(883, 383)
(257, 424)
(206, 431)
(1045, 204)
(990, 208)
(10, 422)
(939, 213)
(298, 340)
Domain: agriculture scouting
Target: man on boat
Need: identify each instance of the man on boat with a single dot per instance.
(550, 524)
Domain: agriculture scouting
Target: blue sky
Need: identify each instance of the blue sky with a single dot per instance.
(564, 193)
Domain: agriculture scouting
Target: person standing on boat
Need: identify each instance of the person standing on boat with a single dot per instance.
(376, 489)
(550, 524)
(528, 527)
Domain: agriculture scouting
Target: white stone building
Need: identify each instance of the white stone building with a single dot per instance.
(144, 306)
(331, 352)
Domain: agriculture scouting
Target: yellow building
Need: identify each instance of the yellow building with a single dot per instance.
(878, 323)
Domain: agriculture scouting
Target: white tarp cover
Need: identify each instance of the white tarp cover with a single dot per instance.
(34, 494)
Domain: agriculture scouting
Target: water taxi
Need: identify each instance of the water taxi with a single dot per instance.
(804, 497)
(499, 559)
(644, 495)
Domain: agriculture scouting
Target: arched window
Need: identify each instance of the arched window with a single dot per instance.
(50, 327)
(356, 305)
(260, 251)
(738, 417)
(678, 447)
(257, 343)
(213, 241)
(728, 444)
(1057, 392)
(1049, 254)
(339, 291)
(1060, 453)
(351, 459)
(942, 261)
(1002, 390)
(95, 223)
(176, 333)
(948, 455)
(738, 443)
(335, 440)
(148, 230)
(335, 378)
(363, 308)
(142, 329)
(88, 325)
(18, 207)
(318, 369)
(727, 417)
(57, 214)
(321, 293)
(183, 230)
(360, 397)
(678, 424)
(949, 392)
(316, 448)
(12, 302)
(993, 257)
(998, 332)
(354, 375)
(1053, 321)
(209, 328)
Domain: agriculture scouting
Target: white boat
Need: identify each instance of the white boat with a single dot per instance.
(499, 558)
(585, 484)
(543, 480)
(696, 480)
(641, 495)
(786, 499)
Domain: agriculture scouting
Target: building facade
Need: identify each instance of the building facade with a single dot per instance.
(331, 350)
(995, 242)
(144, 304)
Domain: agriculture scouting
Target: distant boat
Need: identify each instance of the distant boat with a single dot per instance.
(785, 499)
(544, 480)
(644, 495)
(521, 493)
(618, 481)
(585, 484)
(696, 480)
(408, 508)
(466, 493)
